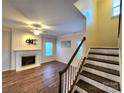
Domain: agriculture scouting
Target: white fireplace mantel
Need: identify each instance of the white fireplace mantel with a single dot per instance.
(20, 53)
(19, 50)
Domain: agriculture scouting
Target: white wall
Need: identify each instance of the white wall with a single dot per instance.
(19, 40)
(15, 41)
(64, 54)
(89, 9)
(19, 43)
(100, 22)
(6, 50)
(48, 39)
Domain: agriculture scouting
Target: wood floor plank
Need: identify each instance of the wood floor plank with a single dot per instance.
(42, 79)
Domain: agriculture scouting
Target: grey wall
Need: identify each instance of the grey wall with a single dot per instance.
(6, 50)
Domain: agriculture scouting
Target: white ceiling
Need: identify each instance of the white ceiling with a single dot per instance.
(60, 15)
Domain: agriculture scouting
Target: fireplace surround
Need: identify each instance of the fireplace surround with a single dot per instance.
(23, 55)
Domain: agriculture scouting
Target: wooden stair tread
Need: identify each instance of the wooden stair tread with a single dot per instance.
(103, 60)
(105, 54)
(76, 92)
(107, 48)
(105, 81)
(107, 70)
(88, 87)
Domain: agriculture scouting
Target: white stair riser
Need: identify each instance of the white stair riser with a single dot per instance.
(99, 85)
(104, 57)
(103, 74)
(83, 68)
(106, 65)
(79, 90)
(105, 51)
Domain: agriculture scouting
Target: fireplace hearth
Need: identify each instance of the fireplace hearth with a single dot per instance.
(28, 60)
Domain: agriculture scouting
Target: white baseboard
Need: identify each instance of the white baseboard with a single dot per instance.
(5, 70)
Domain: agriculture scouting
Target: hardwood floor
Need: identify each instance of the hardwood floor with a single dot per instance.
(42, 79)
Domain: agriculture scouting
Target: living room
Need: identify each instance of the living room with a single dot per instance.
(41, 38)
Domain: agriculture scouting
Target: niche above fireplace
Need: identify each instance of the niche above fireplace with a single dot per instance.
(28, 60)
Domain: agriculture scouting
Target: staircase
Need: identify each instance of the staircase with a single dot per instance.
(100, 72)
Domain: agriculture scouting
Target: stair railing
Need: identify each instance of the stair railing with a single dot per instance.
(120, 18)
(68, 76)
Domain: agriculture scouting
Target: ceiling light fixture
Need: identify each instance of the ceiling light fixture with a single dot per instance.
(36, 28)
(36, 32)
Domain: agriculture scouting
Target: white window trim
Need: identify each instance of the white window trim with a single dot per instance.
(52, 50)
(114, 16)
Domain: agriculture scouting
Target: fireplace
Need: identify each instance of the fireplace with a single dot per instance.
(28, 60)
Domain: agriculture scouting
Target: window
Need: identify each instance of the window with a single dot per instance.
(49, 48)
(66, 44)
(115, 7)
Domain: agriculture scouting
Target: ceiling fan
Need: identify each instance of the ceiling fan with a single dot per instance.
(38, 28)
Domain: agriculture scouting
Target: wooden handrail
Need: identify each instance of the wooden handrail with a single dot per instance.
(68, 65)
(73, 56)
(120, 16)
